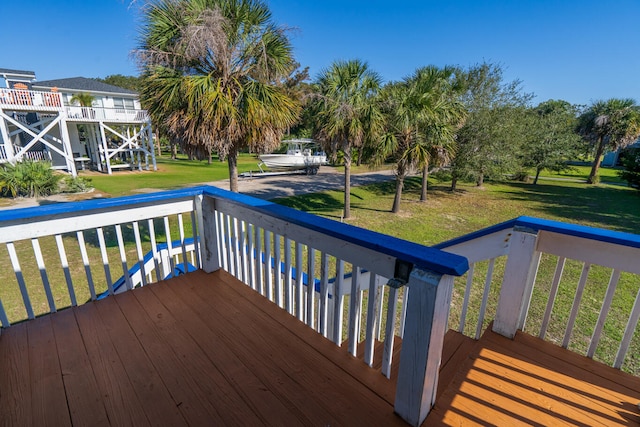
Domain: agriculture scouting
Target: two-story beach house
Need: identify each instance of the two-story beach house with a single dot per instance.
(44, 120)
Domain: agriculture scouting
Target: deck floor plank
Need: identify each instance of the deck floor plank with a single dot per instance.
(205, 349)
(48, 402)
(456, 350)
(15, 381)
(374, 380)
(159, 406)
(624, 382)
(119, 397)
(524, 382)
(174, 374)
(83, 396)
(245, 395)
(297, 373)
(192, 343)
(602, 392)
(319, 356)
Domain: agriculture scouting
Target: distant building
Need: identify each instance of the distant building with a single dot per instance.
(612, 158)
(46, 121)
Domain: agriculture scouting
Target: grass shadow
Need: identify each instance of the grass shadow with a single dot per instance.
(618, 208)
(323, 203)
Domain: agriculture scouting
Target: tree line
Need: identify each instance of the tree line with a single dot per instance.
(219, 75)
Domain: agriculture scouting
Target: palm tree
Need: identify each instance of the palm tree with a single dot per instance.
(422, 116)
(83, 99)
(443, 114)
(347, 113)
(610, 124)
(211, 73)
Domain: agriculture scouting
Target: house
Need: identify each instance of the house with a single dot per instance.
(612, 158)
(8, 78)
(252, 313)
(42, 120)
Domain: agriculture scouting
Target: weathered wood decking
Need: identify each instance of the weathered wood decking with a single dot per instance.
(203, 349)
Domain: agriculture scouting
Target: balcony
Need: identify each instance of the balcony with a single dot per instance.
(201, 306)
(30, 100)
(22, 100)
(109, 115)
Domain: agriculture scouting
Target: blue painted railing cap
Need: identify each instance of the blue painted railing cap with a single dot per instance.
(419, 255)
(536, 224)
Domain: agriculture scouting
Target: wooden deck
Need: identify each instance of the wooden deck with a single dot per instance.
(203, 349)
(527, 381)
(196, 350)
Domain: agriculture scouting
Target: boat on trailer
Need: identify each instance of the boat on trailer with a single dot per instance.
(301, 155)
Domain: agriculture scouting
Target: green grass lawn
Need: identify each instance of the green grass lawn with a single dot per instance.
(606, 174)
(447, 215)
(170, 174)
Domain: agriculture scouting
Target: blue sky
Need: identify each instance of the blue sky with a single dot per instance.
(579, 51)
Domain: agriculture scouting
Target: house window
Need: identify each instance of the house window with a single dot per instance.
(123, 103)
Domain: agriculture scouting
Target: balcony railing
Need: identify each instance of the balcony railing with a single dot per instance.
(348, 284)
(523, 269)
(106, 114)
(33, 100)
(320, 271)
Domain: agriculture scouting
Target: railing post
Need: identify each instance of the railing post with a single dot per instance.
(427, 314)
(209, 235)
(517, 284)
(4, 135)
(66, 145)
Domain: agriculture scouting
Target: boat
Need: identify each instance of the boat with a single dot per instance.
(301, 154)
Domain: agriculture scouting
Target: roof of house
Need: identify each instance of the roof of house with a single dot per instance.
(83, 84)
(21, 72)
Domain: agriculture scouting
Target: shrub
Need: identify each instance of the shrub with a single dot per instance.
(75, 185)
(441, 175)
(631, 164)
(522, 176)
(28, 178)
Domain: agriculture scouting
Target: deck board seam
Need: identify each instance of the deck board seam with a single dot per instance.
(287, 324)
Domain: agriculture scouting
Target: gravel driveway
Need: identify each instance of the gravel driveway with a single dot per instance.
(272, 187)
(266, 188)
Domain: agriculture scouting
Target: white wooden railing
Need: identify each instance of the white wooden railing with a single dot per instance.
(526, 265)
(106, 114)
(269, 247)
(33, 100)
(23, 99)
(42, 155)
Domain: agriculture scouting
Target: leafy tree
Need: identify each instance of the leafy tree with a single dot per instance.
(630, 160)
(125, 82)
(422, 116)
(212, 75)
(298, 87)
(83, 99)
(488, 141)
(609, 125)
(550, 139)
(346, 113)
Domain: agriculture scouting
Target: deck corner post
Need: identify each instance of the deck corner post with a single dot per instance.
(209, 235)
(426, 324)
(517, 284)
(4, 136)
